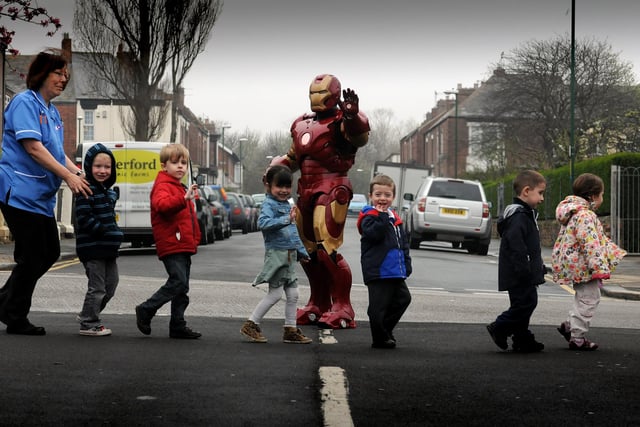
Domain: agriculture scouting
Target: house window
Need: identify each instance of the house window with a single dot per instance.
(88, 126)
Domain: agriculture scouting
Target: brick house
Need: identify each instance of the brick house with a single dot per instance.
(467, 132)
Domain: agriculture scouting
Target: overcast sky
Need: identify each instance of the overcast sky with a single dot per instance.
(256, 69)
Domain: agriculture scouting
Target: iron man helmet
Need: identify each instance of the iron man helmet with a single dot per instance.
(324, 92)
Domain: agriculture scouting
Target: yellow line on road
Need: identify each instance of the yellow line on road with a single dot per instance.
(569, 289)
(64, 264)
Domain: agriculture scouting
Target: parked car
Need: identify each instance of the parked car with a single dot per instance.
(259, 199)
(222, 196)
(205, 219)
(239, 217)
(252, 211)
(356, 204)
(450, 210)
(221, 222)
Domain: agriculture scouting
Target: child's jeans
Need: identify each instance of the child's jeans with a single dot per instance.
(175, 289)
(103, 280)
(585, 302)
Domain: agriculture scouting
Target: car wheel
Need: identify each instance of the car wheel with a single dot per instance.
(475, 248)
(219, 234)
(455, 245)
(203, 233)
(211, 236)
(414, 242)
(483, 249)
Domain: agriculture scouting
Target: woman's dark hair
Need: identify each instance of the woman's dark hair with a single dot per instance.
(279, 175)
(587, 185)
(44, 64)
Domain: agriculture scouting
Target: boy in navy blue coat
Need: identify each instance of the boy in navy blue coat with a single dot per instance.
(98, 238)
(520, 265)
(385, 262)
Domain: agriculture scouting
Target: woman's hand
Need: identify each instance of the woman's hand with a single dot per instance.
(77, 184)
(66, 172)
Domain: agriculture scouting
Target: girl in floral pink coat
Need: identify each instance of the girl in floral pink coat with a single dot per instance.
(583, 256)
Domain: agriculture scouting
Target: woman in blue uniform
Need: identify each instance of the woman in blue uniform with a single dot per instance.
(32, 168)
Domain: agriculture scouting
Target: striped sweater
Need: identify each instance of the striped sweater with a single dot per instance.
(97, 233)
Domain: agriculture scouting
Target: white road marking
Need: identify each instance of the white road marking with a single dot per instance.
(335, 397)
(326, 336)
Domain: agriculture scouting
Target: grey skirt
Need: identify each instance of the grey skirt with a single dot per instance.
(278, 269)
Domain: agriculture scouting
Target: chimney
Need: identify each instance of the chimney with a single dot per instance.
(66, 47)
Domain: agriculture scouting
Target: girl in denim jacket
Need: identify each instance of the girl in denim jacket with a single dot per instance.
(583, 256)
(283, 248)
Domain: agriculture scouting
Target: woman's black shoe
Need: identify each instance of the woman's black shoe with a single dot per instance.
(384, 344)
(25, 329)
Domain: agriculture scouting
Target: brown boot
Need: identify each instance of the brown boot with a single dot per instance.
(294, 336)
(252, 331)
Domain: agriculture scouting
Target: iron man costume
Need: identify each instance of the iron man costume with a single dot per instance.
(323, 149)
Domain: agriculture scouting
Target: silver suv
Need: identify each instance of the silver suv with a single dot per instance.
(450, 210)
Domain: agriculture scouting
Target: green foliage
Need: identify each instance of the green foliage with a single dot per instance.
(559, 183)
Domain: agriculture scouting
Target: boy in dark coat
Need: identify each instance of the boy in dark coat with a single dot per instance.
(385, 262)
(520, 265)
(98, 238)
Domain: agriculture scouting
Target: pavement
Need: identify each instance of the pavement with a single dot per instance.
(624, 282)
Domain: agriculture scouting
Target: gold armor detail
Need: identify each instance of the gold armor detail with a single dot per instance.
(321, 234)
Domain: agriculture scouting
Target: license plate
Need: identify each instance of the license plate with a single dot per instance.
(452, 211)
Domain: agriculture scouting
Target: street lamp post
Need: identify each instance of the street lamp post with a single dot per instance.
(218, 162)
(208, 154)
(79, 130)
(455, 133)
(241, 140)
(572, 136)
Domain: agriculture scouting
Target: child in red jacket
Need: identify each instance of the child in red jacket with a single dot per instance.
(176, 233)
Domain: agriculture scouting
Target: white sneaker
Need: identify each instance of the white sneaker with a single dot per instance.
(96, 331)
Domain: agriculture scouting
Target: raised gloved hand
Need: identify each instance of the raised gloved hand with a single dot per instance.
(349, 105)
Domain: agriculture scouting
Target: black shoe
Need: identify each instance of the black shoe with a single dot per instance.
(143, 322)
(499, 338)
(384, 344)
(527, 345)
(186, 333)
(25, 329)
(566, 333)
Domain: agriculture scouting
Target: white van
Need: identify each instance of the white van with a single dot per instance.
(138, 164)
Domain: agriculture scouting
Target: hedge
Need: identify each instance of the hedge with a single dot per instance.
(559, 185)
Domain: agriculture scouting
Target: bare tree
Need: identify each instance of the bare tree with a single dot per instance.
(132, 30)
(188, 29)
(132, 42)
(537, 96)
